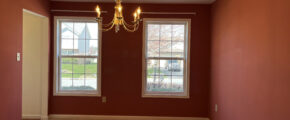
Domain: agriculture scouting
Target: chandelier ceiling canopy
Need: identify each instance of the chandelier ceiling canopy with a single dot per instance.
(119, 20)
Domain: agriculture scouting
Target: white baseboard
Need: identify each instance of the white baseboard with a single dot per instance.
(31, 116)
(105, 117)
(38, 117)
(44, 118)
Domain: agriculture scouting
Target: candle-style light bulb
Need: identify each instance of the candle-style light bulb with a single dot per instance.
(135, 17)
(120, 8)
(135, 14)
(139, 10)
(98, 10)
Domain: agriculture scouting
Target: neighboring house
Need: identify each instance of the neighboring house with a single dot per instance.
(77, 44)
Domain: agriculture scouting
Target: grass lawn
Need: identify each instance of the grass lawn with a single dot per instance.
(78, 70)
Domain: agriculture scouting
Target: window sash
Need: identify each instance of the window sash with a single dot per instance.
(161, 92)
(78, 56)
(59, 57)
(166, 58)
(75, 91)
(185, 91)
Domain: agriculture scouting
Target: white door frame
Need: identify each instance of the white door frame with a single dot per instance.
(44, 70)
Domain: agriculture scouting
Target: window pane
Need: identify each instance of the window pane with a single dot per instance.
(176, 67)
(67, 47)
(91, 81)
(66, 65)
(78, 65)
(159, 83)
(66, 81)
(78, 81)
(178, 33)
(92, 47)
(153, 32)
(177, 84)
(152, 48)
(79, 47)
(165, 83)
(67, 52)
(166, 31)
(91, 65)
(79, 31)
(92, 31)
(165, 48)
(153, 67)
(67, 30)
(165, 66)
(153, 83)
(177, 49)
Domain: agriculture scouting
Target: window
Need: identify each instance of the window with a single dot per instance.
(166, 58)
(77, 57)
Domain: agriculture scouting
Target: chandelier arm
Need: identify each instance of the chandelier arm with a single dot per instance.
(132, 26)
(128, 29)
(137, 26)
(109, 24)
(107, 29)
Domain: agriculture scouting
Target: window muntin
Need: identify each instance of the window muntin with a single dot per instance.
(78, 58)
(166, 58)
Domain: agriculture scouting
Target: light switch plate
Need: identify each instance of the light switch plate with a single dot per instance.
(18, 57)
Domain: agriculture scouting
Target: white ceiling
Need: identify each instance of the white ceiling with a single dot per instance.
(149, 1)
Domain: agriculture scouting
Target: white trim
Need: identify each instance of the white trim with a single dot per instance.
(33, 13)
(44, 69)
(109, 117)
(31, 117)
(38, 117)
(153, 13)
(170, 13)
(77, 11)
(147, 1)
(44, 118)
(57, 45)
(186, 94)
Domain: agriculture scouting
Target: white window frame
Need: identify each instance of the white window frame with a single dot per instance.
(186, 77)
(57, 45)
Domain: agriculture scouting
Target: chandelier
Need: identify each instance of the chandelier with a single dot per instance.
(119, 20)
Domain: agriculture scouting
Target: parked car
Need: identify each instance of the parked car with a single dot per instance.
(174, 66)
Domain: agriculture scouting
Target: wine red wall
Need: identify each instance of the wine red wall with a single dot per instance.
(250, 60)
(122, 68)
(11, 43)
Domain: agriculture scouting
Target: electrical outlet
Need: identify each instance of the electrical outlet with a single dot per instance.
(104, 99)
(216, 108)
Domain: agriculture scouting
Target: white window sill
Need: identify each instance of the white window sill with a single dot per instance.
(92, 94)
(180, 96)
